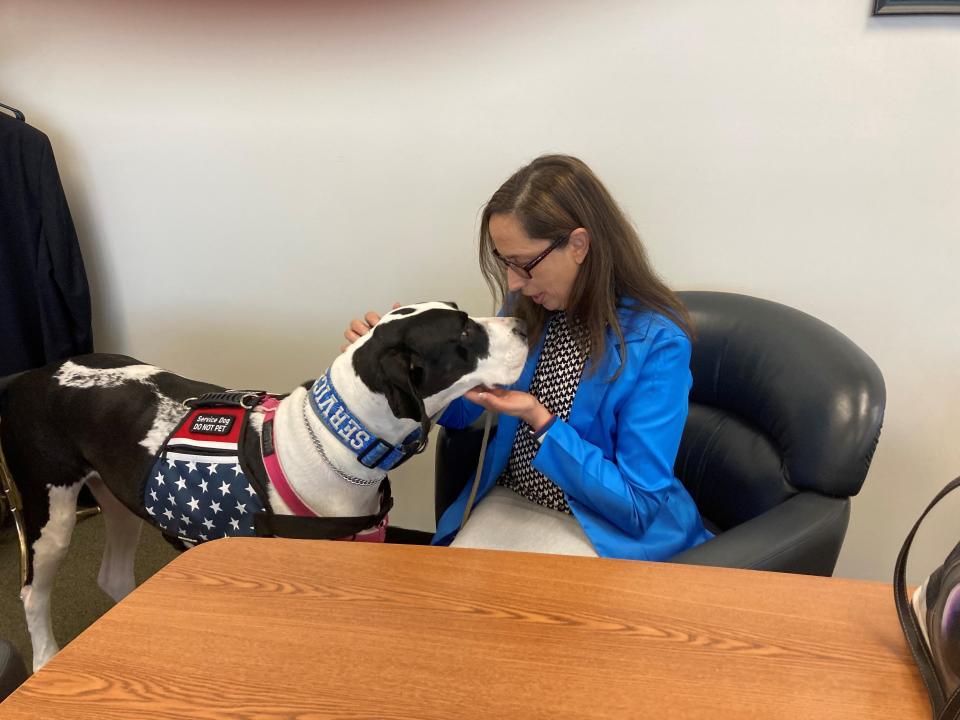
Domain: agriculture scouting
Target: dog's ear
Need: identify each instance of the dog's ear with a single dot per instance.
(402, 371)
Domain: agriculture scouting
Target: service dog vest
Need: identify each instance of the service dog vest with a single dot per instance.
(201, 488)
(198, 489)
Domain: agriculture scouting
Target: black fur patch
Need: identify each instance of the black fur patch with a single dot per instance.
(38, 414)
(411, 359)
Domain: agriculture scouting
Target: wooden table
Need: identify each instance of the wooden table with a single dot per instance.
(254, 628)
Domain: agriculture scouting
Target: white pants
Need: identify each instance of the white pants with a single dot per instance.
(504, 520)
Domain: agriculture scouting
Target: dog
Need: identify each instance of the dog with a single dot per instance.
(144, 439)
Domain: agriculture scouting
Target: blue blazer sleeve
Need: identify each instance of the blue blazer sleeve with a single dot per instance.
(629, 489)
(460, 414)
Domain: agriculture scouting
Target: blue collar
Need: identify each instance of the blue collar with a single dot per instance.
(371, 451)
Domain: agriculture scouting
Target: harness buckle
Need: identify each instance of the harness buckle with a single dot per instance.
(408, 450)
(251, 399)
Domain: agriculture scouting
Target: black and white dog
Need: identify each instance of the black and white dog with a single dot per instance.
(141, 440)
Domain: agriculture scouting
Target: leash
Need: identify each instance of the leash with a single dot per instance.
(476, 478)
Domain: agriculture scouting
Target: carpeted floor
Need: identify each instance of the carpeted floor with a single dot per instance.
(77, 599)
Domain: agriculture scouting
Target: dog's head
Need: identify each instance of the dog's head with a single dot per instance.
(420, 357)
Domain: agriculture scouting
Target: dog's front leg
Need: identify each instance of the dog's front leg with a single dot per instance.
(47, 552)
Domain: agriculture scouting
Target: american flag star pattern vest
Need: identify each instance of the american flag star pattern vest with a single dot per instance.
(197, 489)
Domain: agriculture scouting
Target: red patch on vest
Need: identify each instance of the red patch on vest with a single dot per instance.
(220, 424)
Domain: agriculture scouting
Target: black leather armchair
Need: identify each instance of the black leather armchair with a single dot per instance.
(785, 414)
(12, 670)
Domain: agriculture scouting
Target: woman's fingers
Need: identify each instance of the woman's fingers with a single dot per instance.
(359, 328)
(487, 397)
(473, 395)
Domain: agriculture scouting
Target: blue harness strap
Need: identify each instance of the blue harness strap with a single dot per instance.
(371, 451)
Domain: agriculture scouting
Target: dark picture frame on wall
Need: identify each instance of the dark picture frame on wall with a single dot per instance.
(916, 7)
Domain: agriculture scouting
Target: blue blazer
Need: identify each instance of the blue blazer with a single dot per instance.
(614, 456)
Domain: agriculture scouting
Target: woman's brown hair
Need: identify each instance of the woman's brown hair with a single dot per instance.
(550, 198)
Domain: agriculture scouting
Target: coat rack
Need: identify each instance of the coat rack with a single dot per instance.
(16, 113)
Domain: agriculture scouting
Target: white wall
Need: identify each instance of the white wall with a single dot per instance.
(249, 176)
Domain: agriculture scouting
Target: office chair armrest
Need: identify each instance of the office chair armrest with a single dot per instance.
(457, 453)
(801, 535)
(12, 670)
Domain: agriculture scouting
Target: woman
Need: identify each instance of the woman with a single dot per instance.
(582, 462)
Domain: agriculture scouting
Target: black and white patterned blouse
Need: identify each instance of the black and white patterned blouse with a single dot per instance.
(555, 382)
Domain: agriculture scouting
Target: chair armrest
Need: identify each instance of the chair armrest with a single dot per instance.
(457, 453)
(801, 535)
(12, 670)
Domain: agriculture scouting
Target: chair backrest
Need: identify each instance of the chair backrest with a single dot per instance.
(781, 402)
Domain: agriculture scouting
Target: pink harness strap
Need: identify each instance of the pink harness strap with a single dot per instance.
(275, 471)
(288, 494)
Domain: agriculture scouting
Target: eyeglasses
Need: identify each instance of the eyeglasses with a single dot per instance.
(524, 270)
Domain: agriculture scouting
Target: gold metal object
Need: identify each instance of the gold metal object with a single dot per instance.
(16, 509)
(88, 512)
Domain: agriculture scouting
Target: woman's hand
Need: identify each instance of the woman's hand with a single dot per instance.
(511, 402)
(362, 327)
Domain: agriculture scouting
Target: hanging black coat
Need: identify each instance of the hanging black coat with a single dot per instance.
(44, 296)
